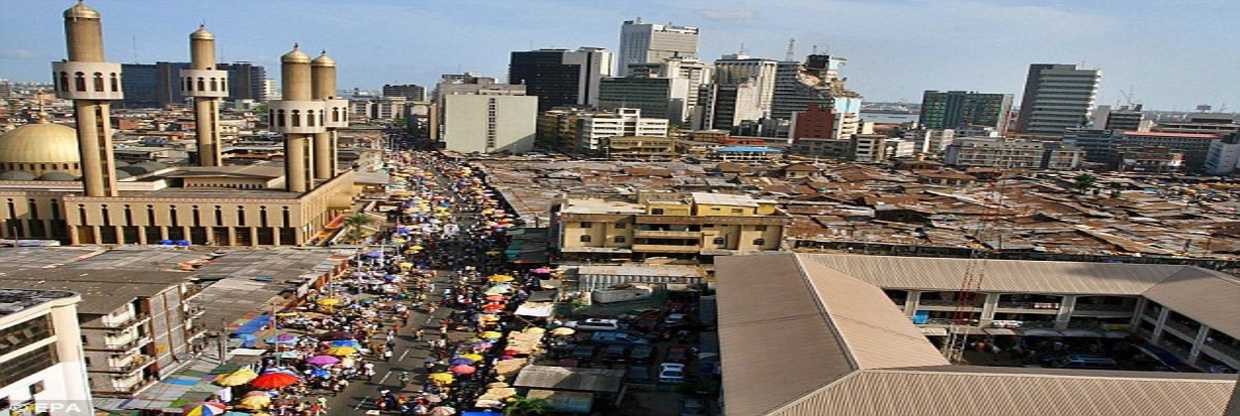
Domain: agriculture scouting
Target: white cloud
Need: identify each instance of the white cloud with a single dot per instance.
(18, 54)
(733, 15)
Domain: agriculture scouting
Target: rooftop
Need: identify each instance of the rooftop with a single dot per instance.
(16, 300)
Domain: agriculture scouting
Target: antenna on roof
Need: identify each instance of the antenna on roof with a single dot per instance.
(791, 53)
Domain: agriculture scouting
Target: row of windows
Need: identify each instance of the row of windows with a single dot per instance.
(222, 85)
(39, 166)
(33, 209)
(717, 240)
(17, 336)
(79, 81)
(277, 117)
(286, 216)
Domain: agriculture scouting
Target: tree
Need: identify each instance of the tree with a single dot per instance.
(354, 224)
(1083, 182)
(523, 406)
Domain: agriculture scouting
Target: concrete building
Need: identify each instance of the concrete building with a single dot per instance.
(734, 69)
(463, 84)
(1224, 155)
(1056, 98)
(666, 224)
(898, 148)
(726, 106)
(798, 86)
(1194, 146)
(1124, 118)
(640, 147)
(593, 128)
(1201, 123)
(880, 340)
(665, 98)
(152, 85)
(411, 92)
(930, 141)
(642, 43)
(379, 108)
(247, 81)
(964, 109)
(868, 148)
(991, 152)
(561, 77)
(490, 123)
(692, 70)
(42, 369)
(1099, 145)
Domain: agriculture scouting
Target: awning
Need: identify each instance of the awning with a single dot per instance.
(933, 331)
(999, 331)
(536, 309)
(564, 401)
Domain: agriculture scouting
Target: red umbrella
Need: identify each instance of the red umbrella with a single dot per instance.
(462, 370)
(496, 298)
(493, 307)
(271, 381)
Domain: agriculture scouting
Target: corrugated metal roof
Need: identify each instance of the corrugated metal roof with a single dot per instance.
(1013, 276)
(1209, 297)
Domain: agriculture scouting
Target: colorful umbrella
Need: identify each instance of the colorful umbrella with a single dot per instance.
(322, 360)
(491, 335)
(501, 278)
(347, 343)
(205, 409)
(462, 370)
(443, 411)
(236, 378)
(442, 378)
(563, 331)
(329, 301)
(493, 307)
(499, 290)
(541, 270)
(320, 373)
(496, 298)
(471, 357)
(275, 380)
(255, 402)
(282, 339)
(342, 351)
(460, 361)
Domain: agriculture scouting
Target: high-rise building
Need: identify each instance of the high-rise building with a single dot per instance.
(246, 81)
(412, 92)
(561, 77)
(642, 43)
(964, 109)
(737, 68)
(1057, 97)
(43, 360)
(270, 90)
(490, 123)
(1125, 118)
(6, 88)
(593, 128)
(463, 84)
(725, 106)
(152, 85)
(664, 98)
(695, 72)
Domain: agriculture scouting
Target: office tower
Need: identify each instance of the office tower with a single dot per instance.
(152, 85)
(463, 84)
(246, 81)
(297, 116)
(737, 68)
(561, 77)
(208, 86)
(825, 66)
(92, 96)
(335, 114)
(593, 128)
(725, 106)
(964, 109)
(665, 98)
(652, 43)
(1125, 118)
(490, 123)
(1057, 97)
(412, 92)
(694, 72)
(269, 90)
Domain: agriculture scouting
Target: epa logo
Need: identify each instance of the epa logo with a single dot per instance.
(60, 407)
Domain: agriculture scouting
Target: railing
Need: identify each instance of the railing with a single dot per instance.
(1105, 307)
(1173, 347)
(1182, 328)
(660, 248)
(136, 342)
(1152, 313)
(667, 234)
(128, 321)
(138, 361)
(1229, 350)
(1045, 306)
(944, 302)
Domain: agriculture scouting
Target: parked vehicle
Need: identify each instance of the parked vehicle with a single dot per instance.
(671, 373)
(594, 324)
(608, 338)
(641, 353)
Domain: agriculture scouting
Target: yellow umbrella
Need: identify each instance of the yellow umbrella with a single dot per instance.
(563, 331)
(488, 317)
(492, 335)
(236, 378)
(405, 265)
(416, 247)
(329, 301)
(442, 378)
(501, 278)
(256, 402)
(342, 351)
(471, 357)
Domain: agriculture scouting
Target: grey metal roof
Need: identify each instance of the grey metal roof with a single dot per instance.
(599, 380)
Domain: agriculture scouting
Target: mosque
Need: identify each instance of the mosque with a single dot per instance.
(61, 183)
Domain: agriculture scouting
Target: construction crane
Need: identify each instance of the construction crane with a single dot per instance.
(971, 283)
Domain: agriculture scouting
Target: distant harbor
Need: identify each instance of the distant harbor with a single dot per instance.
(886, 117)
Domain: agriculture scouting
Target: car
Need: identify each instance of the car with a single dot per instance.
(614, 352)
(677, 354)
(594, 324)
(638, 374)
(641, 353)
(692, 407)
(612, 337)
(674, 319)
(583, 352)
(671, 373)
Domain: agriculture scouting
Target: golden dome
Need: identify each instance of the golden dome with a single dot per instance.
(295, 56)
(81, 11)
(201, 34)
(40, 142)
(323, 60)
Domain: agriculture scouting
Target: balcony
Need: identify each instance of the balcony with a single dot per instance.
(690, 235)
(194, 311)
(132, 343)
(190, 293)
(135, 363)
(130, 319)
(659, 248)
(951, 303)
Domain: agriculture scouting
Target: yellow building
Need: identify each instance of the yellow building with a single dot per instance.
(667, 224)
(640, 147)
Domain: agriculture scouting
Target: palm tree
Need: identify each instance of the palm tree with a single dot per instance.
(354, 223)
(1083, 182)
(522, 406)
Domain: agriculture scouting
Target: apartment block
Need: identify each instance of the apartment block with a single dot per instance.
(991, 152)
(593, 128)
(489, 123)
(42, 370)
(642, 43)
(1056, 98)
(640, 147)
(964, 109)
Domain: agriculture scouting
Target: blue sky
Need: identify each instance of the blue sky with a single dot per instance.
(1171, 54)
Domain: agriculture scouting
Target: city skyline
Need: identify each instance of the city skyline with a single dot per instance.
(886, 62)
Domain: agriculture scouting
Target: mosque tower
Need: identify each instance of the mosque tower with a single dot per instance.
(335, 114)
(92, 84)
(208, 86)
(299, 117)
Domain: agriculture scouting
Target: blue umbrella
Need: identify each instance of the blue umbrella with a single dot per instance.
(375, 254)
(165, 242)
(460, 361)
(282, 339)
(346, 343)
(319, 372)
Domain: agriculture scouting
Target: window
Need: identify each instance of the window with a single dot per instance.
(172, 214)
(714, 208)
(335, 114)
(719, 241)
(262, 215)
(116, 83)
(150, 216)
(64, 81)
(240, 216)
(310, 118)
(79, 81)
(36, 388)
(287, 218)
(737, 211)
(296, 118)
(619, 239)
(280, 119)
(189, 83)
(214, 86)
(202, 84)
(587, 225)
(759, 241)
(585, 239)
(621, 225)
(98, 82)
(656, 211)
(219, 217)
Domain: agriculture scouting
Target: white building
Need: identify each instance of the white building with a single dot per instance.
(694, 72)
(1224, 155)
(898, 148)
(724, 106)
(991, 152)
(41, 366)
(595, 127)
(652, 43)
(737, 68)
(490, 123)
(869, 147)
(1057, 97)
(930, 141)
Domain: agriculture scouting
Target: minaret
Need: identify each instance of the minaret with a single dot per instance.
(92, 84)
(298, 117)
(335, 114)
(208, 86)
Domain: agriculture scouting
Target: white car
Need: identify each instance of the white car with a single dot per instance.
(594, 324)
(671, 373)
